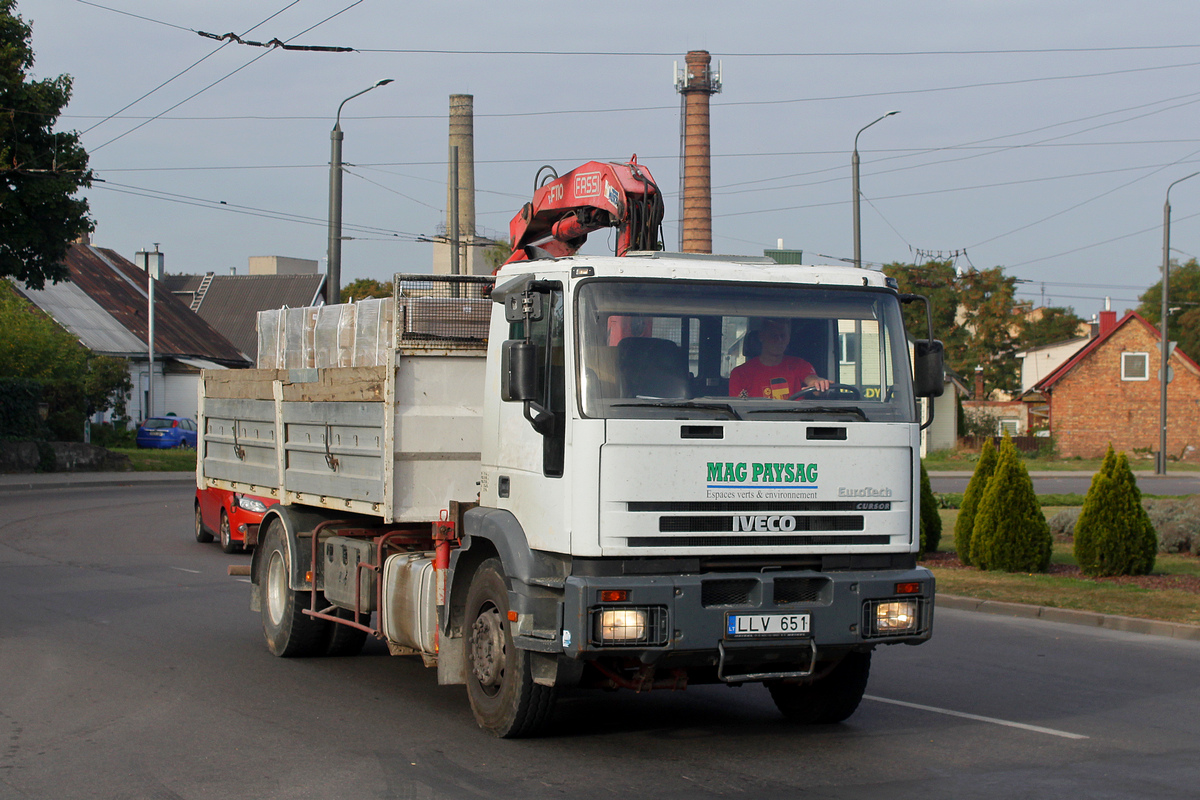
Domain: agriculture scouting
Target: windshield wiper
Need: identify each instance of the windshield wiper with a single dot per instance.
(724, 408)
(815, 410)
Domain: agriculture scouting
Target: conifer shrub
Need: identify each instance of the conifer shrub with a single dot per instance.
(965, 523)
(1114, 535)
(1010, 531)
(931, 521)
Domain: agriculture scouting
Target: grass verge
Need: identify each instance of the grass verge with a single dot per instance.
(145, 460)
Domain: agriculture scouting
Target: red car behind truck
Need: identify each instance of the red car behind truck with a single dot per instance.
(228, 516)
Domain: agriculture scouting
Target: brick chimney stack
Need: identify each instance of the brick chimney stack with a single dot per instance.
(1108, 321)
(979, 395)
(696, 84)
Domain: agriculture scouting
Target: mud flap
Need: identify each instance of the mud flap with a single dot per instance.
(451, 661)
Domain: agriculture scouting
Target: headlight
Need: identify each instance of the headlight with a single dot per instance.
(896, 616)
(249, 503)
(620, 625)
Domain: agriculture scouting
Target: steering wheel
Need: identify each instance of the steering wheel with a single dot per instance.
(836, 391)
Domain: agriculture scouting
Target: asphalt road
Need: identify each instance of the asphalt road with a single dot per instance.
(1179, 483)
(131, 667)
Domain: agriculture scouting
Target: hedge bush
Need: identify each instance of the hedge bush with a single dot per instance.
(19, 417)
(931, 520)
(965, 524)
(1114, 535)
(1176, 523)
(1010, 532)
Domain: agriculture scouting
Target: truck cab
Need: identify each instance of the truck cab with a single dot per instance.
(654, 529)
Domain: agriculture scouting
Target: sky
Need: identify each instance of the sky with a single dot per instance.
(1039, 136)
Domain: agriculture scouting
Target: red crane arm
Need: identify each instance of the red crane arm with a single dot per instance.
(594, 196)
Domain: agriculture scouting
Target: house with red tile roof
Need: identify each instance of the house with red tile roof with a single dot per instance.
(1108, 392)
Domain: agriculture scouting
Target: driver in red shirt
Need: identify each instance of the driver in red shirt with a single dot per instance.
(773, 374)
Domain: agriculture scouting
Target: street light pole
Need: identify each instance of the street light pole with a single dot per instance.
(333, 280)
(854, 188)
(1160, 463)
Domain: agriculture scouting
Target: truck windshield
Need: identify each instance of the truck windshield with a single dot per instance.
(674, 350)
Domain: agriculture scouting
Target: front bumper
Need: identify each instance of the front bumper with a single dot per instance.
(691, 612)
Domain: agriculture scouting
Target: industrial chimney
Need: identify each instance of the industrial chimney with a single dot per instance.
(696, 83)
(460, 176)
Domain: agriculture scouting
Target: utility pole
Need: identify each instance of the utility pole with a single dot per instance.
(854, 188)
(1160, 463)
(333, 280)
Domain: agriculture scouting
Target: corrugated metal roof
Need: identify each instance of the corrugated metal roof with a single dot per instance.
(232, 302)
(116, 289)
(71, 308)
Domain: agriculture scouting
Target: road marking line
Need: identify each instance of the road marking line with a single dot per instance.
(977, 718)
(193, 571)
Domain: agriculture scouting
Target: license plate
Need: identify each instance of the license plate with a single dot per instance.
(752, 625)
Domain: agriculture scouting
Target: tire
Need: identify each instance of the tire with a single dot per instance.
(202, 534)
(344, 640)
(505, 700)
(828, 700)
(228, 545)
(289, 633)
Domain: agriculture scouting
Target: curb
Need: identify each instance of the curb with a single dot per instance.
(1112, 622)
(32, 486)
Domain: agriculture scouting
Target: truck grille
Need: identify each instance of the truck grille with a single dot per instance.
(753, 523)
(732, 592)
(799, 590)
(753, 541)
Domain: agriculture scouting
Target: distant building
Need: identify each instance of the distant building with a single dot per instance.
(105, 303)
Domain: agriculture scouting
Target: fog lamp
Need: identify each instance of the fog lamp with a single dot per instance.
(896, 616)
(620, 624)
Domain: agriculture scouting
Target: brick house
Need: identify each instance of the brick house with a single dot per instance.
(1109, 392)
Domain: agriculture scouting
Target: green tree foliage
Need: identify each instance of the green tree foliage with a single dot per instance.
(972, 315)
(1010, 531)
(1183, 326)
(964, 526)
(39, 216)
(1114, 535)
(363, 288)
(1056, 324)
(495, 254)
(76, 382)
(931, 521)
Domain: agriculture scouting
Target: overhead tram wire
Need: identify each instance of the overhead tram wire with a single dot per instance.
(222, 205)
(178, 74)
(812, 54)
(229, 75)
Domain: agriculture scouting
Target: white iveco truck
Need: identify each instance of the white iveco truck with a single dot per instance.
(541, 480)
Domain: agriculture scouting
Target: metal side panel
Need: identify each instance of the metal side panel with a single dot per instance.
(334, 450)
(239, 441)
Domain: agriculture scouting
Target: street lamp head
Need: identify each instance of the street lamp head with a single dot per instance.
(385, 82)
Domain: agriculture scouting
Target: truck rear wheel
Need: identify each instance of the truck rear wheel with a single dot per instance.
(827, 700)
(344, 640)
(202, 535)
(289, 633)
(505, 700)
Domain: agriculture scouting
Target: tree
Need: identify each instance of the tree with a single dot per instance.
(972, 315)
(39, 215)
(1114, 535)
(76, 381)
(964, 526)
(1010, 532)
(931, 521)
(363, 288)
(495, 254)
(1056, 324)
(1183, 326)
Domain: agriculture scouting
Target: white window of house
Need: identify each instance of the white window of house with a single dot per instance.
(1135, 366)
(1009, 426)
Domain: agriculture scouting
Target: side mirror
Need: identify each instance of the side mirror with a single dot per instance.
(518, 371)
(929, 371)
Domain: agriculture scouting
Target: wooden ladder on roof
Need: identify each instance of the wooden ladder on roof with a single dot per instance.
(198, 297)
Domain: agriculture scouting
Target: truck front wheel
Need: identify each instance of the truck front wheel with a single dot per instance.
(505, 700)
(288, 631)
(832, 698)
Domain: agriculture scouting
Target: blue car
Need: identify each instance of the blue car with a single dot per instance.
(165, 432)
